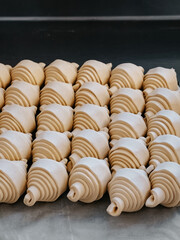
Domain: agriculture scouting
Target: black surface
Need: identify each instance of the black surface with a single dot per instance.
(89, 8)
(149, 43)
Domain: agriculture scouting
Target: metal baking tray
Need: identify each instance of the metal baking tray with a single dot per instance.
(148, 42)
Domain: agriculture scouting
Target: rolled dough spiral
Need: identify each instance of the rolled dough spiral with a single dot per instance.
(22, 93)
(93, 71)
(165, 185)
(57, 92)
(126, 75)
(29, 71)
(55, 117)
(88, 180)
(128, 191)
(47, 180)
(12, 180)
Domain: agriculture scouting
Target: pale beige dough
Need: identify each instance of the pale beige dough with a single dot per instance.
(128, 153)
(5, 76)
(52, 145)
(57, 92)
(15, 145)
(127, 125)
(163, 122)
(29, 71)
(12, 180)
(165, 148)
(61, 71)
(88, 180)
(18, 118)
(126, 75)
(128, 191)
(127, 100)
(2, 91)
(93, 71)
(22, 93)
(55, 117)
(162, 99)
(88, 143)
(90, 116)
(47, 180)
(160, 77)
(165, 185)
(92, 93)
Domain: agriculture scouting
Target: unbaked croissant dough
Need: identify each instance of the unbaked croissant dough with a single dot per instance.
(160, 99)
(12, 180)
(160, 77)
(52, 145)
(127, 125)
(128, 153)
(88, 143)
(57, 92)
(91, 116)
(126, 75)
(5, 77)
(55, 117)
(88, 180)
(29, 71)
(165, 148)
(92, 93)
(93, 71)
(128, 191)
(22, 93)
(18, 118)
(47, 180)
(127, 100)
(163, 122)
(61, 71)
(15, 145)
(2, 91)
(165, 185)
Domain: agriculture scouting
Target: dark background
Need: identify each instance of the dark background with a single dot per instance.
(89, 8)
(145, 42)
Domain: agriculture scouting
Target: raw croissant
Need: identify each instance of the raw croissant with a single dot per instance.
(61, 71)
(22, 93)
(163, 122)
(89, 143)
(90, 116)
(15, 145)
(126, 75)
(12, 180)
(127, 100)
(127, 125)
(52, 145)
(128, 153)
(92, 93)
(128, 191)
(93, 71)
(160, 99)
(57, 92)
(5, 77)
(165, 185)
(1, 97)
(29, 71)
(164, 148)
(47, 180)
(55, 117)
(160, 77)
(88, 180)
(18, 118)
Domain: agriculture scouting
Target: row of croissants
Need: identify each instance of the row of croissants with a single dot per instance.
(133, 126)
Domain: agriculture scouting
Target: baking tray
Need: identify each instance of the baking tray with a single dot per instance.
(145, 42)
